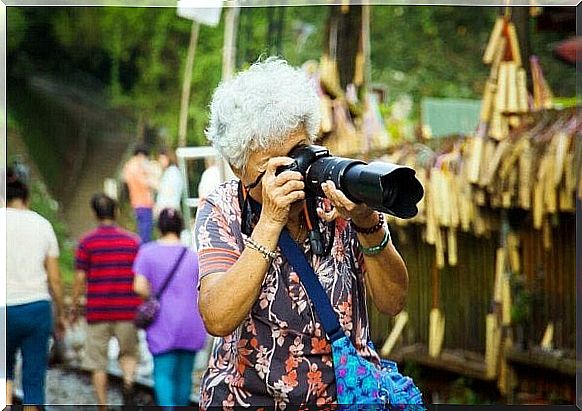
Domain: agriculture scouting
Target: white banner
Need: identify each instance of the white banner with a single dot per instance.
(205, 12)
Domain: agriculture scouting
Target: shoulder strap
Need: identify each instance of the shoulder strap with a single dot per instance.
(169, 276)
(323, 308)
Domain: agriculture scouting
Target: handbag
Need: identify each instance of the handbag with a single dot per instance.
(358, 380)
(147, 311)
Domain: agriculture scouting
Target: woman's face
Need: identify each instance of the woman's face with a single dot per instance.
(257, 163)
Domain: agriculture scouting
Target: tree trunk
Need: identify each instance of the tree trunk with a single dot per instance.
(187, 84)
(343, 40)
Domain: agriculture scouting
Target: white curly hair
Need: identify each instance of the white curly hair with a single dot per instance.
(259, 108)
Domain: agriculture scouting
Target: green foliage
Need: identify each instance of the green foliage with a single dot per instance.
(42, 203)
(139, 53)
(462, 393)
(430, 51)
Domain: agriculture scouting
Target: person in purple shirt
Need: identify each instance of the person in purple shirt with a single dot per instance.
(178, 332)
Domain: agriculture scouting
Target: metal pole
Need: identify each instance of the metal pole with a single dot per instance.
(366, 46)
(186, 86)
(229, 47)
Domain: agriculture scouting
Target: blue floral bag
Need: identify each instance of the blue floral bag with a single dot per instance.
(358, 380)
(361, 382)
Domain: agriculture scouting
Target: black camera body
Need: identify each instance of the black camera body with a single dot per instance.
(382, 186)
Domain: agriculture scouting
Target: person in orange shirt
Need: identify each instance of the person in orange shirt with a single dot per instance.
(139, 176)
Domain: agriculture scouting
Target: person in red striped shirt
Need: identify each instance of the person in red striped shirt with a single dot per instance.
(103, 263)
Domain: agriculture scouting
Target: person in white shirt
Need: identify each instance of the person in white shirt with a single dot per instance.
(171, 184)
(32, 282)
(210, 178)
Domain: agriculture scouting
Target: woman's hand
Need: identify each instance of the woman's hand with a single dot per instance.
(280, 191)
(360, 214)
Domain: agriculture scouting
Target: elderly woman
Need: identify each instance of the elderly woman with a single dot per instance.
(272, 350)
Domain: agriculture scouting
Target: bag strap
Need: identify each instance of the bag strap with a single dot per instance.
(296, 257)
(169, 276)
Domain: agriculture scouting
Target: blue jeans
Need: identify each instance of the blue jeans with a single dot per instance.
(28, 329)
(144, 217)
(173, 377)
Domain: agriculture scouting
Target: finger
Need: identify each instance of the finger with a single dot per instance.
(327, 216)
(338, 198)
(275, 163)
(292, 198)
(285, 176)
(291, 186)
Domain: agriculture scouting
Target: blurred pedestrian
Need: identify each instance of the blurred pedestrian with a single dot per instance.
(103, 263)
(171, 184)
(210, 178)
(139, 176)
(32, 278)
(177, 333)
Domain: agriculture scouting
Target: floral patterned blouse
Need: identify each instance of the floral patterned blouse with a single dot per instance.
(279, 355)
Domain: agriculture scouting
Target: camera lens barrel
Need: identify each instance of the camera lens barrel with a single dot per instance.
(385, 187)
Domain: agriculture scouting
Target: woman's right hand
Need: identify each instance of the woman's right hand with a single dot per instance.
(280, 191)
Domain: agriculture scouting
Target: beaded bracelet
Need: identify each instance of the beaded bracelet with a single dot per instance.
(377, 248)
(265, 252)
(370, 230)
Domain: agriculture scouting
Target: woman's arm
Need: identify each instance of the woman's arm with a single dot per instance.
(56, 290)
(141, 286)
(227, 297)
(386, 273)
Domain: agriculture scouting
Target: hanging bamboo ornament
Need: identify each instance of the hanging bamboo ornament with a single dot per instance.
(452, 247)
(401, 320)
(522, 91)
(550, 191)
(499, 54)
(488, 155)
(525, 175)
(538, 206)
(476, 154)
(506, 301)
(493, 40)
(512, 96)
(487, 102)
(499, 269)
(501, 93)
(431, 223)
(500, 151)
(359, 69)
(436, 332)
(453, 189)
(440, 250)
(492, 334)
(562, 145)
(547, 340)
(514, 44)
(513, 252)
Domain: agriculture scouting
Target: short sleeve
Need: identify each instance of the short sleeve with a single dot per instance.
(82, 257)
(53, 244)
(218, 247)
(141, 266)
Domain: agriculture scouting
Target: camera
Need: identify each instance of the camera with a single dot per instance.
(382, 186)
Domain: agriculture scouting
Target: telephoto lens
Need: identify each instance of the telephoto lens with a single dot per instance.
(382, 186)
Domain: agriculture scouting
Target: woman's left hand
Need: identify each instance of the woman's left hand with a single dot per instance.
(360, 214)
